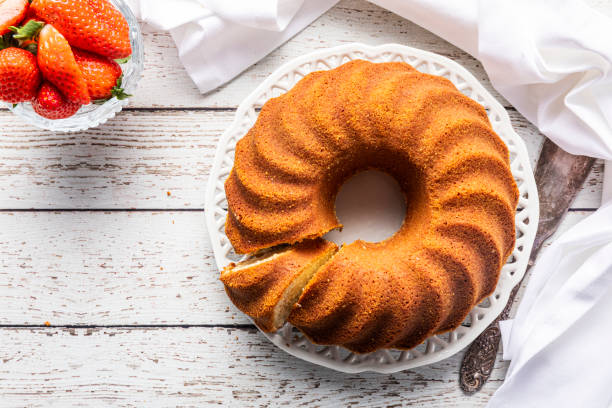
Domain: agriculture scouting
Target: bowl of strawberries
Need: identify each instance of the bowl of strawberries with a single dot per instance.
(66, 65)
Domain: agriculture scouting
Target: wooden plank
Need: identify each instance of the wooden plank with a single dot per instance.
(115, 268)
(133, 161)
(109, 268)
(136, 158)
(201, 367)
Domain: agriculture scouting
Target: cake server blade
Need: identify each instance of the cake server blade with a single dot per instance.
(559, 176)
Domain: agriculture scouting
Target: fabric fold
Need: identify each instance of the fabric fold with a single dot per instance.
(217, 40)
(273, 15)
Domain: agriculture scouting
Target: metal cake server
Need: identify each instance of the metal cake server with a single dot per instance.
(559, 176)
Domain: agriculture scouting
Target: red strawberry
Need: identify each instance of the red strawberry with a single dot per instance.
(30, 15)
(102, 74)
(58, 66)
(11, 13)
(20, 75)
(51, 104)
(92, 25)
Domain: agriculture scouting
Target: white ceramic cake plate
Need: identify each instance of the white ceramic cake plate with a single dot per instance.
(435, 348)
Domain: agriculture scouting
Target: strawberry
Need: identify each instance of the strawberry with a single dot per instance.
(20, 75)
(102, 74)
(51, 104)
(30, 15)
(58, 66)
(92, 25)
(11, 13)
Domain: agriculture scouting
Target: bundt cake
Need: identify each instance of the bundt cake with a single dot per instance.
(460, 203)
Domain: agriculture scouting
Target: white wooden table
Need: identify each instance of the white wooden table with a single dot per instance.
(108, 290)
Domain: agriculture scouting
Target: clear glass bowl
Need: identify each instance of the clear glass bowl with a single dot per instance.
(93, 115)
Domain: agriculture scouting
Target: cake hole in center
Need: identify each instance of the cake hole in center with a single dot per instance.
(371, 206)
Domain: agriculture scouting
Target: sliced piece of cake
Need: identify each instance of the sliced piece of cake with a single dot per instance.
(267, 286)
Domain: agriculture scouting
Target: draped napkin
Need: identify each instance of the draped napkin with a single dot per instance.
(552, 60)
(218, 39)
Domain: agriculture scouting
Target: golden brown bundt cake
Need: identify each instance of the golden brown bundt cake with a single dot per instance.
(267, 286)
(452, 167)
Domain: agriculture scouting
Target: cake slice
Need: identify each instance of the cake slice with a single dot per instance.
(267, 286)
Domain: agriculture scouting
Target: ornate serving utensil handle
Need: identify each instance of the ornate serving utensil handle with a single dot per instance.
(559, 176)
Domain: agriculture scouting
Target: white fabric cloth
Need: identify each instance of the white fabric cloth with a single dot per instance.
(552, 59)
(218, 39)
(560, 337)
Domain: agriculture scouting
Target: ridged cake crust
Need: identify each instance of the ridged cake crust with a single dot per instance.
(454, 171)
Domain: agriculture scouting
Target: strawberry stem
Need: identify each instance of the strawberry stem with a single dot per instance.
(27, 32)
(118, 91)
